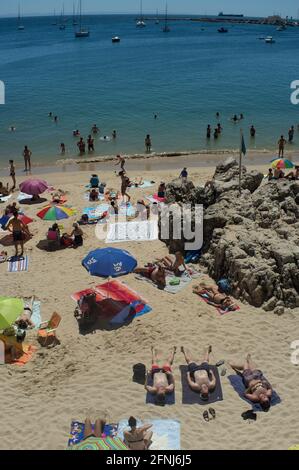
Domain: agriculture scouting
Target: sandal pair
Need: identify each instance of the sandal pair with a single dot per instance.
(206, 414)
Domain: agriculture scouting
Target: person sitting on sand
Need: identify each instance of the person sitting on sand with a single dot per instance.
(77, 235)
(278, 174)
(293, 175)
(57, 196)
(270, 175)
(53, 234)
(258, 389)
(66, 241)
(215, 297)
(161, 189)
(200, 376)
(94, 181)
(19, 232)
(155, 273)
(84, 219)
(177, 266)
(113, 209)
(94, 195)
(138, 438)
(4, 191)
(163, 379)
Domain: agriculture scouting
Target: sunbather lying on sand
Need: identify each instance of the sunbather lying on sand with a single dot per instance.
(200, 378)
(155, 273)
(258, 389)
(215, 297)
(138, 438)
(24, 321)
(163, 380)
(177, 265)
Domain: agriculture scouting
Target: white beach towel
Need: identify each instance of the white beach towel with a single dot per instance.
(132, 231)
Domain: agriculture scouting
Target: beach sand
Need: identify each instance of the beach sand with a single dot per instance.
(39, 400)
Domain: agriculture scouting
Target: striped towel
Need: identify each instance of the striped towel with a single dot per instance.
(17, 264)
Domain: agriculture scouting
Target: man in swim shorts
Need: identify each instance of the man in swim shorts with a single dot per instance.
(27, 158)
(200, 377)
(258, 389)
(162, 377)
(19, 231)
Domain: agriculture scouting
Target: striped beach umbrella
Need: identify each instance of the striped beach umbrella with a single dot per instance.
(97, 443)
(282, 164)
(54, 212)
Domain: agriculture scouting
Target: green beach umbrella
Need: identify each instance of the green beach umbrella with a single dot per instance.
(10, 310)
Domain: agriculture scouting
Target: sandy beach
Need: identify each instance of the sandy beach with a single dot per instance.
(40, 399)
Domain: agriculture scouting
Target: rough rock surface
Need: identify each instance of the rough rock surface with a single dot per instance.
(251, 238)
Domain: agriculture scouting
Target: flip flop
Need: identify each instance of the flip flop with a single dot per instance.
(212, 412)
(223, 372)
(206, 416)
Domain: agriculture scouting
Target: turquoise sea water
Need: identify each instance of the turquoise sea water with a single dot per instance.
(185, 76)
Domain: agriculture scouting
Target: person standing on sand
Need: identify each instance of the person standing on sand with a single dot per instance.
(13, 174)
(125, 183)
(184, 175)
(19, 231)
(281, 145)
(148, 143)
(27, 158)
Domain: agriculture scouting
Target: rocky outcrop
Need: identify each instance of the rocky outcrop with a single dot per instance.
(252, 237)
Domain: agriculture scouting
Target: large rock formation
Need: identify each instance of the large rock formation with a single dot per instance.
(252, 237)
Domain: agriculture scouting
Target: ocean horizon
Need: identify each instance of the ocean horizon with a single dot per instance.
(184, 77)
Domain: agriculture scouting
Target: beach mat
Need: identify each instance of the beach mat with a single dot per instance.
(166, 433)
(189, 397)
(36, 314)
(77, 432)
(132, 231)
(18, 264)
(205, 298)
(185, 280)
(238, 385)
(150, 398)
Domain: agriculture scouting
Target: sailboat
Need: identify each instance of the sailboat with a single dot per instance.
(81, 33)
(157, 18)
(166, 28)
(140, 23)
(62, 20)
(75, 22)
(54, 21)
(21, 27)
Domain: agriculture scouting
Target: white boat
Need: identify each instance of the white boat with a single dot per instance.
(269, 40)
(81, 33)
(62, 20)
(21, 27)
(54, 21)
(116, 39)
(166, 28)
(140, 23)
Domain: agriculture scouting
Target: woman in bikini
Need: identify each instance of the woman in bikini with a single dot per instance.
(138, 438)
(258, 389)
(214, 296)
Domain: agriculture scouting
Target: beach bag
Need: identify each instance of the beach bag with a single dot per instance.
(224, 286)
(139, 373)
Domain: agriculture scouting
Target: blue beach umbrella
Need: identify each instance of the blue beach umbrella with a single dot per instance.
(109, 262)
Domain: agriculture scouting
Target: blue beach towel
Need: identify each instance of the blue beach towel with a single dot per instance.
(166, 433)
(238, 385)
(77, 432)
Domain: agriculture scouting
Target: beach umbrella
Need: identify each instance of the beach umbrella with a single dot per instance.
(99, 443)
(282, 164)
(54, 212)
(10, 310)
(34, 187)
(109, 262)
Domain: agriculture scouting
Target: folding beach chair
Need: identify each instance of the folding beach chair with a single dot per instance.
(48, 328)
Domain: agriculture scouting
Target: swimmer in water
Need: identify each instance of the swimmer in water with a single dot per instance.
(62, 148)
(56, 119)
(12, 129)
(155, 116)
(114, 134)
(50, 115)
(95, 129)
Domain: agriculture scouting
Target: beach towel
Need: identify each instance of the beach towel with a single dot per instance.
(5, 198)
(173, 284)
(205, 298)
(132, 231)
(166, 433)
(77, 432)
(25, 350)
(18, 264)
(189, 397)
(150, 398)
(23, 196)
(124, 303)
(36, 314)
(238, 385)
